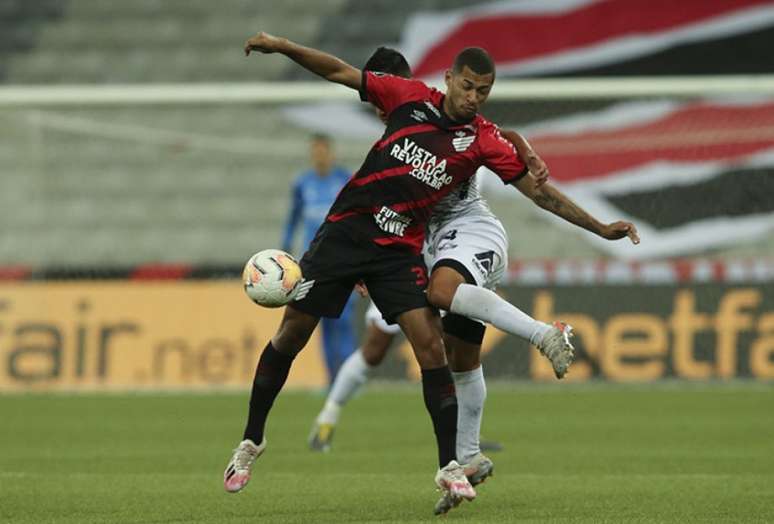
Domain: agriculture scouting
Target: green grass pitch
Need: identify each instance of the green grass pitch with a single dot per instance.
(573, 454)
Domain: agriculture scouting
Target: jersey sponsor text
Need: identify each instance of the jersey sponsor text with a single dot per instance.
(427, 167)
(392, 222)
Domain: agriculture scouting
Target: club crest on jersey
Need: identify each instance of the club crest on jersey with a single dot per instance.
(391, 221)
(427, 167)
(419, 116)
(462, 141)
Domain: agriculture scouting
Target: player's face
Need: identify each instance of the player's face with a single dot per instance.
(466, 92)
(322, 156)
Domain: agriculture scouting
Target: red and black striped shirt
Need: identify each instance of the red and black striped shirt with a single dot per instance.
(421, 157)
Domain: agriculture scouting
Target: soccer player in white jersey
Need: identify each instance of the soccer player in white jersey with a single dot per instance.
(466, 250)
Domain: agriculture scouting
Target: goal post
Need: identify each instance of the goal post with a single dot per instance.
(288, 92)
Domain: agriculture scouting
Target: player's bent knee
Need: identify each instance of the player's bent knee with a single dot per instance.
(423, 330)
(440, 295)
(446, 277)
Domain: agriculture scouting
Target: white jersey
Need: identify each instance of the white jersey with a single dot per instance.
(464, 201)
(463, 228)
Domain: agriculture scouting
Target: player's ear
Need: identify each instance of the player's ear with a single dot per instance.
(447, 78)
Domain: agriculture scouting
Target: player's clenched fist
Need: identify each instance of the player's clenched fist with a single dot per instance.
(263, 42)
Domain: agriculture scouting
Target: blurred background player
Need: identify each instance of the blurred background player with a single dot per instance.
(314, 191)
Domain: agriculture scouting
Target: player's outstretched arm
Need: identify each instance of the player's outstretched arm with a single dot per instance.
(327, 66)
(534, 163)
(551, 199)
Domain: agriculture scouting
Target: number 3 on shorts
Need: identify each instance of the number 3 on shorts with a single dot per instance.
(421, 274)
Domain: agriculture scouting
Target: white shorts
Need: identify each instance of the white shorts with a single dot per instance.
(374, 316)
(478, 243)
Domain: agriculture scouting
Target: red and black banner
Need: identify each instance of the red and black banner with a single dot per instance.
(598, 37)
(693, 175)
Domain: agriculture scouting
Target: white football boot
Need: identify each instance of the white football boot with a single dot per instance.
(237, 473)
(557, 347)
(477, 470)
(451, 480)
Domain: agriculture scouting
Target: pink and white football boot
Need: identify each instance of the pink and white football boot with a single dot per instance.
(454, 485)
(237, 473)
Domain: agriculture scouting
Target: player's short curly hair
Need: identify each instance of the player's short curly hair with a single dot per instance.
(388, 60)
(476, 59)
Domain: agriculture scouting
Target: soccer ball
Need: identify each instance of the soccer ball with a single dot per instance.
(271, 278)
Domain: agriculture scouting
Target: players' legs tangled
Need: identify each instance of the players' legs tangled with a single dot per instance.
(463, 338)
(423, 330)
(464, 358)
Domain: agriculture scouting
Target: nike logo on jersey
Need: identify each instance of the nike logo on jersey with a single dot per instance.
(428, 168)
(392, 222)
(462, 141)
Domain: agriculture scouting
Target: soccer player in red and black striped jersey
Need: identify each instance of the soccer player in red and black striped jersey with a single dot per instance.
(375, 229)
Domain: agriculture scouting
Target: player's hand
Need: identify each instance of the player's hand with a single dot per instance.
(263, 42)
(621, 229)
(538, 168)
(361, 289)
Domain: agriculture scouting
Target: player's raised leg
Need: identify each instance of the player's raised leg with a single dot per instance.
(355, 372)
(449, 290)
(270, 375)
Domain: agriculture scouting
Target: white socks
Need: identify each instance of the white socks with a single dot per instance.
(351, 376)
(471, 394)
(487, 306)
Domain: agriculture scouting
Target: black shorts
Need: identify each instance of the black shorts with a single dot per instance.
(337, 260)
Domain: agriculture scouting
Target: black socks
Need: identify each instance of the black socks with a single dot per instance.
(441, 402)
(270, 375)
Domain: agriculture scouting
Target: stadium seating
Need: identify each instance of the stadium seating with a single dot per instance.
(127, 185)
(193, 183)
(130, 192)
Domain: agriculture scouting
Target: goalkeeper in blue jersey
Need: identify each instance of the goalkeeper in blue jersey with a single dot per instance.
(313, 194)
